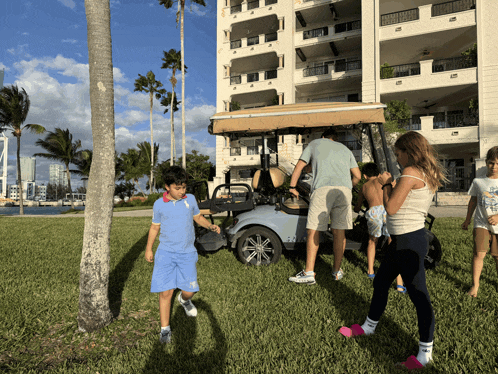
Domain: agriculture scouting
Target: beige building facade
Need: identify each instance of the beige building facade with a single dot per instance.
(274, 52)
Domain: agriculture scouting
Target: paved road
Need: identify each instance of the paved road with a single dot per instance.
(441, 211)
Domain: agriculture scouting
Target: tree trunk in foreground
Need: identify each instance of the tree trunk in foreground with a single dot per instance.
(94, 311)
(182, 36)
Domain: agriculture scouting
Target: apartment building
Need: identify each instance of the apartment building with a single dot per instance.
(57, 175)
(274, 52)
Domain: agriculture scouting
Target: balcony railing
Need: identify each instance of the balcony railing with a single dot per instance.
(270, 2)
(455, 63)
(316, 70)
(252, 77)
(315, 33)
(252, 41)
(270, 74)
(347, 66)
(348, 26)
(413, 123)
(271, 37)
(236, 9)
(399, 71)
(236, 79)
(235, 44)
(399, 17)
(452, 7)
(252, 4)
(448, 121)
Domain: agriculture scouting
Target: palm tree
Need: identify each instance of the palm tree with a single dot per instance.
(144, 149)
(83, 164)
(181, 3)
(14, 108)
(150, 85)
(94, 311)
(60, 147)
(166, 101)
(132, 166)
(172, 60)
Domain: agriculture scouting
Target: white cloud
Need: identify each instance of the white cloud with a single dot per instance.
(57, 103)
(20, 51)
(25, 33)
(4, 67)
(69, 3)
(72, 41)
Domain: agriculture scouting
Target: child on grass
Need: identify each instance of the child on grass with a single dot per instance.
(371, 191)
(176, 257)
(484, 197)
(407, 204)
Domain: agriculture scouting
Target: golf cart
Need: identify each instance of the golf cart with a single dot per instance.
(266, 218)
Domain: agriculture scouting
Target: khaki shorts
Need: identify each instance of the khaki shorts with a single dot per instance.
(330, 203)
(484, 240)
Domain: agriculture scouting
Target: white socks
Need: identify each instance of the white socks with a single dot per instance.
(424, 352)
(309, 272)
(369, 326)
(167, 328)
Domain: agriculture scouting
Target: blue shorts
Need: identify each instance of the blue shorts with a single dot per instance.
(174, 270)
(376, 221)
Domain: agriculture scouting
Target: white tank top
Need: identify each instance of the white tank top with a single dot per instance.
(411, 216)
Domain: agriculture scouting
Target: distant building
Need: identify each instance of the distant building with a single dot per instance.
(28, 169)
(2, 72)
(57, 175)
(41, 193)
(28, 189)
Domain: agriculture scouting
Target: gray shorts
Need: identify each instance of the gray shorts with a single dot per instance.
(330, 202)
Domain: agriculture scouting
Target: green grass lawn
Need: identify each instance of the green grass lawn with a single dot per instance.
(251, 319)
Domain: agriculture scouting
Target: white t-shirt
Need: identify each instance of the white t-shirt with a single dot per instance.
(486, 191)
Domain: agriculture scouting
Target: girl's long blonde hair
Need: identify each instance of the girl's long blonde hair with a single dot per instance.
(423, 157)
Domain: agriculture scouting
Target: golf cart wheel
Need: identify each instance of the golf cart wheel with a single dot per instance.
(259, 246)
(434, 253)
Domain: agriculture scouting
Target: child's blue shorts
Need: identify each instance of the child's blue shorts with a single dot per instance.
(174, 270)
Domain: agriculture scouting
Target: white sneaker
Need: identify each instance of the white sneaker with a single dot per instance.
(189, 307)
(338, 274)
(303, 278)
(165, 337)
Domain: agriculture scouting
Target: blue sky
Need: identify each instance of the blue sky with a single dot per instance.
(43, 48)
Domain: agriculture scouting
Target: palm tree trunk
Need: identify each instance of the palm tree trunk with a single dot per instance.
(94, 311)
(173, 150)
(68, 174)
(182, 36)
(136, 181)
(19, 180)
(151, 179)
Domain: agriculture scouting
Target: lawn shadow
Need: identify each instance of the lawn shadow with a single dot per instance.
(182, 358)
(120, 274)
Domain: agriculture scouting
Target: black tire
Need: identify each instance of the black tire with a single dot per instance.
(434, 253)
(259, 246)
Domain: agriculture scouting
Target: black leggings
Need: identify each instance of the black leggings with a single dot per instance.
(405, 256)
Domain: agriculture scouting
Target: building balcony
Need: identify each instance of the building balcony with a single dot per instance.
(255, 45)
(327, 72)
(428, 74)
(254, 81)
(328, 33)
(446, 130)
(427, 19)
(302, 4)
(248, 10)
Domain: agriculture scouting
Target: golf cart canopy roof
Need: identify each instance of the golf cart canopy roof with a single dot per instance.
(304, 115)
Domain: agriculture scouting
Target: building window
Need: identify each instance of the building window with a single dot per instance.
(235, 151)
(252, 150)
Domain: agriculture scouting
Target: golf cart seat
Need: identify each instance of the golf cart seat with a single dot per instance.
(277, 178)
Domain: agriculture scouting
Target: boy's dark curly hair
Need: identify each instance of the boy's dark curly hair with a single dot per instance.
(370, 170)
(492, 154)
(175, 175)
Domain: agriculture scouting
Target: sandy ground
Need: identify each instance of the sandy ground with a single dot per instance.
(441, 211)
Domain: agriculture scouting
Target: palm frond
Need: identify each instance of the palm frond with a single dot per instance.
(34, 128)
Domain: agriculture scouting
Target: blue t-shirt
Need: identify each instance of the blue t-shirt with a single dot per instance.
(177, 225)
(331, 162)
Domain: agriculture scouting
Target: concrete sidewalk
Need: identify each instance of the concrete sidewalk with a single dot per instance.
(440, 211)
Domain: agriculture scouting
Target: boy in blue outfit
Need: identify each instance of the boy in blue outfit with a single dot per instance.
(371, 192)
(176, 257)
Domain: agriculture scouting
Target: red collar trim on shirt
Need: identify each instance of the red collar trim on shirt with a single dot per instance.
(165, 197)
